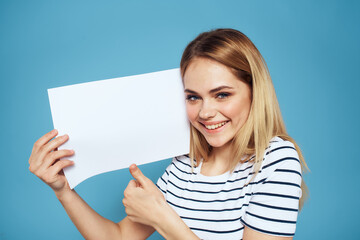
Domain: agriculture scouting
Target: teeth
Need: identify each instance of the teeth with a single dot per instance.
(215, 125)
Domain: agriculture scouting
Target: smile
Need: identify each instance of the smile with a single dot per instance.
(215, 126)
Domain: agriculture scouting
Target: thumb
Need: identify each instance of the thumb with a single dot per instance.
(138, 175)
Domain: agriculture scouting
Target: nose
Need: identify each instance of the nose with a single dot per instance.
(207, 111)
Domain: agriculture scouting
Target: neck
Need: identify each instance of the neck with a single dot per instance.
(221, 154)
(218, 161)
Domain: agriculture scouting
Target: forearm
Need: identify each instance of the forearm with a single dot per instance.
(89, 223)
(172, 227)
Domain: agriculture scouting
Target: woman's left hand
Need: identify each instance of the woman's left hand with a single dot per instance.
(143, 201)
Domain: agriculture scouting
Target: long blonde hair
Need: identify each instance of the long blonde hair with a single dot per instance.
(235, 50)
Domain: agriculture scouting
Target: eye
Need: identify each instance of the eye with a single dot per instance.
(192, 98)
(222, 95)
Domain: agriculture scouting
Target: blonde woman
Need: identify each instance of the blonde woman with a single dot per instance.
(243, 176)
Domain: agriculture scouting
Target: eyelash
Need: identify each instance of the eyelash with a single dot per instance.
(191, 98)
(222, 95)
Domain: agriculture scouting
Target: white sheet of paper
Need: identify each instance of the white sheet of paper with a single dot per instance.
(116, 122)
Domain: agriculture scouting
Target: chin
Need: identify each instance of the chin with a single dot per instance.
(217, 143)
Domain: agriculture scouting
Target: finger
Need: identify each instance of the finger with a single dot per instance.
(124, 201)
(138, 175)
(58, 166)
(132, 184)
(38, 145)
(51, 146)
(54, 144)
(45, 139)
(37, 159)
(128, 211)
(51, 158)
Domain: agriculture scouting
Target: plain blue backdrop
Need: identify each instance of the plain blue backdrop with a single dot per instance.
(312, 50)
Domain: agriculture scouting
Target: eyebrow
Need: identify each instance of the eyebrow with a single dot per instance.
(211, 91)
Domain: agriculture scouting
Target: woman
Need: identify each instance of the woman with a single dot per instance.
(242, 178)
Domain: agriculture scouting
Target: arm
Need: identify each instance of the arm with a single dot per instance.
(89, 223)
(145, 204)
(44, 164)
(93, 226)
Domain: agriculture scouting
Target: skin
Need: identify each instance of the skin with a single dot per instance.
(213, 95)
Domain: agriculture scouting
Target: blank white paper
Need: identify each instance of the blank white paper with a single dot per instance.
(116, 122)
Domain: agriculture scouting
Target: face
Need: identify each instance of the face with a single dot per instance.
(217, 102)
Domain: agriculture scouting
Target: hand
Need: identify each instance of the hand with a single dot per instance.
(45, 164)
(142, 199)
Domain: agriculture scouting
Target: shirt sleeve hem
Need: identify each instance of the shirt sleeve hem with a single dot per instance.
(267, 232)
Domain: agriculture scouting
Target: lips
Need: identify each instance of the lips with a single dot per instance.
(213, 125)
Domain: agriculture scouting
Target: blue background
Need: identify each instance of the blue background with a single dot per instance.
(312, 50)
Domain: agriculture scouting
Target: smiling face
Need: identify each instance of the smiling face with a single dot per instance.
(217, 102)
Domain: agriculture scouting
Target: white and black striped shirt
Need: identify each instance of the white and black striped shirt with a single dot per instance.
(218, 207)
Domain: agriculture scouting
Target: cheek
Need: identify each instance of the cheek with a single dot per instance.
(238, 111)
(192, 112)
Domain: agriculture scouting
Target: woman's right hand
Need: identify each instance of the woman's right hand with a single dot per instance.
(45, 164)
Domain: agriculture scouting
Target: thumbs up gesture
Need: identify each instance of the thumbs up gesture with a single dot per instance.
(143, 201)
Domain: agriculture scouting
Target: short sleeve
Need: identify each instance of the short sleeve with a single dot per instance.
(163, 180)
(274, 204)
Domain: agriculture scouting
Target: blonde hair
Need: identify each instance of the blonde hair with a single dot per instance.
(235, 50)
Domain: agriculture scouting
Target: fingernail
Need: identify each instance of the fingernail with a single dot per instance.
(132, 167)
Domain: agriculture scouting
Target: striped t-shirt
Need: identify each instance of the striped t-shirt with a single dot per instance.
(218, 207)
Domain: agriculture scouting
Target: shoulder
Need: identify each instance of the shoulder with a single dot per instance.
(182, 159)
(181, 163)
(281, 153)
(179, 166)
(275, 196)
